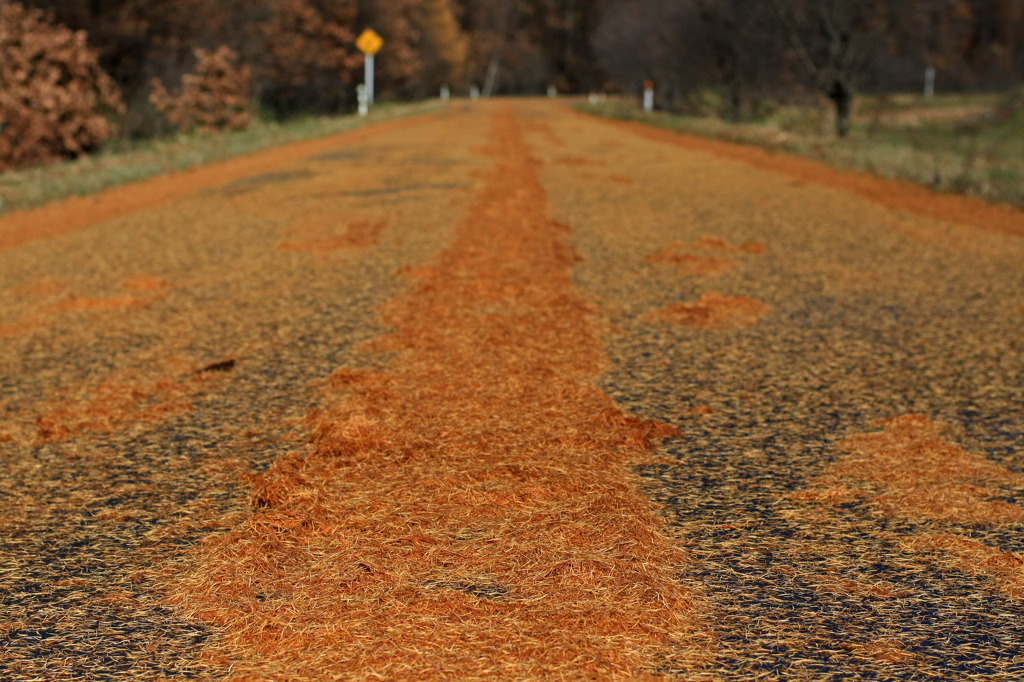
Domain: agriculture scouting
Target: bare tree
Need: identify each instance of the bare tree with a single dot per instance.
(746, 58)
(494, 67)
(658, 40)
(832, 40)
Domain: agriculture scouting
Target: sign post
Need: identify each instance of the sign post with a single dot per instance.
(368, 78)
(369, 43)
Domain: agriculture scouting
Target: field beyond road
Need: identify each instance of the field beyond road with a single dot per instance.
(509, 392)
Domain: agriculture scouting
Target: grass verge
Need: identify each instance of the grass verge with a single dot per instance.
(121, 163)
(970, 145)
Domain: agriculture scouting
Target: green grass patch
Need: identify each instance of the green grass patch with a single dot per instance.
(121, 162)
(969, 144)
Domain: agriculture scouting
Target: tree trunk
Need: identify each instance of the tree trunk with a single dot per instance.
(842, 97)
(494, 68)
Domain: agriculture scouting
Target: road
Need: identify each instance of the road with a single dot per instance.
(506, 391)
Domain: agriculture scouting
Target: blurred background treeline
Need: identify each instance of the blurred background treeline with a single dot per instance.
(139, 69)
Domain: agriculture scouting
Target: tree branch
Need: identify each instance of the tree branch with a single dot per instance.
(793, 35)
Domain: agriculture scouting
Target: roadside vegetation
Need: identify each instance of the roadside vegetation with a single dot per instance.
(970, 144)
(123, 80)
(122, 162)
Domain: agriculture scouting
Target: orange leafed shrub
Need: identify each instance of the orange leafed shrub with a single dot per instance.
(53, 95)
(215, 97)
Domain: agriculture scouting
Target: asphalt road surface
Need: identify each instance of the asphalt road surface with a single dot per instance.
(509, 392)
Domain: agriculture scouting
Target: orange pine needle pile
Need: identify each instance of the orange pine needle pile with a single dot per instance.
(359, 233)
(909, 469)
(703, 263)
(714, 311)
(470, 512)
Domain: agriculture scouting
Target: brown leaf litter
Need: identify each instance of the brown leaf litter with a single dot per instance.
(470, 512)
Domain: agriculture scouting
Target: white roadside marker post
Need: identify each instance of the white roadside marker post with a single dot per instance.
(364, 107)
(474, 91)
(648, 96)
(929, 82)
(445, 93)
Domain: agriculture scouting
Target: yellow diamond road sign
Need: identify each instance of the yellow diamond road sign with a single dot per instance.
(369, 41)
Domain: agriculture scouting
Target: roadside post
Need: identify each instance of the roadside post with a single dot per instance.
(474, 91)
(929, 82)
(364, 107)
(648, 96)
(369, 43)
(446, 93)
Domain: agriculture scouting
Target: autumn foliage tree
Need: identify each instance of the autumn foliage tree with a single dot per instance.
(399, 64)
(302, 51)
(215, 97)
(749, 52)
(442, 44)
(53, 95)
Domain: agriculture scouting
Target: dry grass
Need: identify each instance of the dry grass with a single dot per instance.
(902, 196)
(970, 144)
(469, 513)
